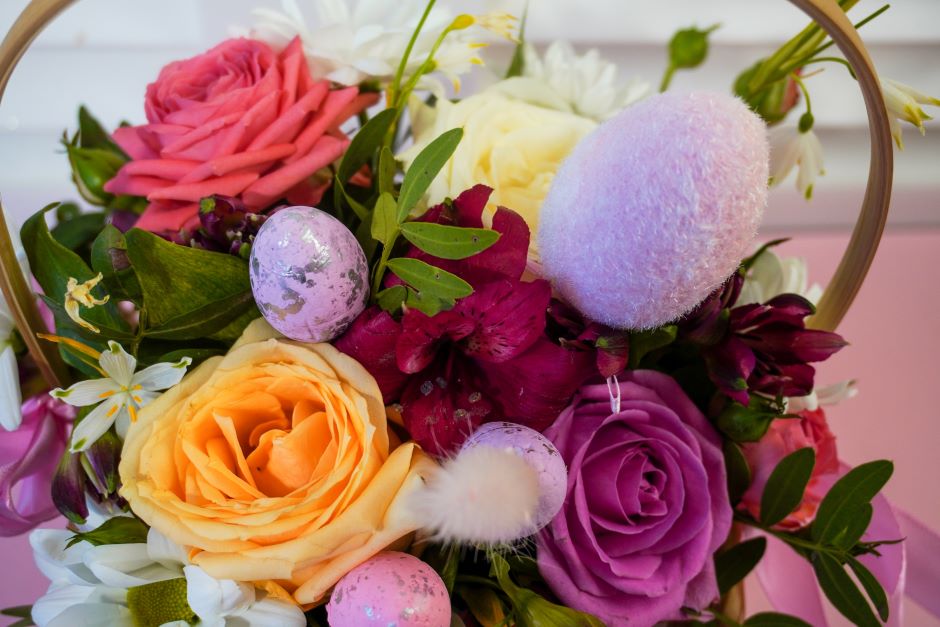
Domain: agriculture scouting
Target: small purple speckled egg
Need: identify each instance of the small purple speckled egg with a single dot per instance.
(392, 590)
(308, 273)
(540, 454)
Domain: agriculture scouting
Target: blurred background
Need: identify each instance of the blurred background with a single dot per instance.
(102, 53)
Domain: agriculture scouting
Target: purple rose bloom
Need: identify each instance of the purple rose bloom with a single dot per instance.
(647, 504)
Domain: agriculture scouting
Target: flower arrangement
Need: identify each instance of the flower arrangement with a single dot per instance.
(341, 348)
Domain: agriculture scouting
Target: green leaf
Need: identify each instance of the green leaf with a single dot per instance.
(364, 144)
(858, 486)
(841, 591)
(786, 485)
(92, 168)
(109, 257)
(117, 530)
(424, 169)
(853, 522)
(733, 565)
(872, 587)
(517, 64)
(391, 299)
(53, 264)
(198, 355)
(387, 167)
(204, 321)
(79, 230)
(23, 612)
(384, 223)
(177, 280)
(91, 134)
(642, 343)
(428, 279)
(739, 473)
(361, 211)
(448, 242)
(96, 340)
(428, 304)
(744, 424)
(774, 619)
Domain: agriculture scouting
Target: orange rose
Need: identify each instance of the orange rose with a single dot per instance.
(273, 463)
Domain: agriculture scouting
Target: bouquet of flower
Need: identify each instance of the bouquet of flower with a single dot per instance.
(337, 346)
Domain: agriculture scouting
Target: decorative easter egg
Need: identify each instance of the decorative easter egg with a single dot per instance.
(308, 273)
(390, 589)
(539, 452)
(656, 208)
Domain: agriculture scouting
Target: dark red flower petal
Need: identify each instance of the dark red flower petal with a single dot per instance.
(371, 340)
(508, 317)
(535, 387)
(422, 336)
(730, 364)
(444, 404)
(787, 380)
(786, 345)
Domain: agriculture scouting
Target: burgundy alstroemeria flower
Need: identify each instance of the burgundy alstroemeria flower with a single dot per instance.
(762, 348)
(225, 225)
(488, 358)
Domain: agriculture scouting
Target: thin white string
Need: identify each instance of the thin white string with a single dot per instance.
(613, 388)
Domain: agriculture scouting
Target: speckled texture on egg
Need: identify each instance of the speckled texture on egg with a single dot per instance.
(392, 590)
(540, 454)
(308, 273)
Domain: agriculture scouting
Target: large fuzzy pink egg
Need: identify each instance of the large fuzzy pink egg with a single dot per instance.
(308, 273)
(655, 208)
(539, 452)
(390, 589)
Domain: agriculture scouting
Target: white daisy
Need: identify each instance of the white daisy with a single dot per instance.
(120, 394)
(587, 83)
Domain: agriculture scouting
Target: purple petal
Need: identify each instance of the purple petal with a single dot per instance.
(371, 340)
(730, 363)
(422, 336)
(509, 317)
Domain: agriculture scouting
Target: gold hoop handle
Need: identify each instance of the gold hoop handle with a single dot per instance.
(834, 304)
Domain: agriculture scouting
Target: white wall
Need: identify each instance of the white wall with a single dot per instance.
(104, 52)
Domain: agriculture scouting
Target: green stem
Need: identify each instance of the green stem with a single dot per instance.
(723, 618)
(802, 85)
(380, 268)
(667, 78)
(400, 73)
(478, 581)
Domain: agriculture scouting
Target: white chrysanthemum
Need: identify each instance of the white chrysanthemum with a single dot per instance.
(789, 148)
(771, 276)
(353, 41)
(587, 83)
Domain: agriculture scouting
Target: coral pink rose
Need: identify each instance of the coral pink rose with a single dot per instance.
(28, 459)
(785, 436)
(239, 120)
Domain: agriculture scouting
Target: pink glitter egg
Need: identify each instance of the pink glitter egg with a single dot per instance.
(656, 208)
(539, 452)
(308, 273)
(392, 590)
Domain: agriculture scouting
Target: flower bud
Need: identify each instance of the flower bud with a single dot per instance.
(102, 463)
(68, 488)
(688, 48)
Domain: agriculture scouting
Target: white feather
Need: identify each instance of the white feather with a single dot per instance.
(485, 496)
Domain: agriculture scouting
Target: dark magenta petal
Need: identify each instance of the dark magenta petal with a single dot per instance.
(792, 346)
(787, 380)
(443, 405)
(730, 363)
(423, 335)
(509, 317)
(536, 386)
(371, 340)
(792, 305)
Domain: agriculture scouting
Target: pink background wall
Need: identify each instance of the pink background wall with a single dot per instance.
(894, 332)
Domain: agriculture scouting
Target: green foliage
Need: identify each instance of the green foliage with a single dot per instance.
(842, 591)
(448, 242)
(733, 565)
(858, 487)
(117, 530)
(773, 619)
(109, 257)
(23, 612)
(424, 169)
(427, 278)
(750, 423)
(739, 473)
(642, 343)
(784, 490)
(688, 49)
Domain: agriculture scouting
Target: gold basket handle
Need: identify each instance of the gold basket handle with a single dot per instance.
(834, 304)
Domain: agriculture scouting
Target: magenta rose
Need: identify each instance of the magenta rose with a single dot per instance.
(28, 460)
(647, 504)
(239, 120)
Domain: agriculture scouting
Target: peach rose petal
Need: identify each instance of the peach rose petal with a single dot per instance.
(324, 118)
(171, 169)
(286, 126)
(270, 187)
(274, 463)
(229, 185)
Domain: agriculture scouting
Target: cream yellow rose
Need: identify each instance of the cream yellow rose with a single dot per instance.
(273, 463)
(516, 134)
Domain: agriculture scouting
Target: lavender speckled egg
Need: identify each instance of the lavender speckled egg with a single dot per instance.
(308, 273)
(392, 590)
(541, 455)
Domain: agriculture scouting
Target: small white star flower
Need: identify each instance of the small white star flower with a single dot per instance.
(121, 394)
(79, 295)
(903, 102)
(791, 147)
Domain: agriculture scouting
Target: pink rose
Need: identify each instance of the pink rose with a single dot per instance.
(28, 459)
(239, 120)
(785, 436)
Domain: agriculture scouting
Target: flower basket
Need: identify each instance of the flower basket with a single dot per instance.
(250, 521)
